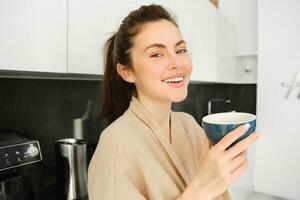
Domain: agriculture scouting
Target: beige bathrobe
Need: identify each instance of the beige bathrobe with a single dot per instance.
(135, 160)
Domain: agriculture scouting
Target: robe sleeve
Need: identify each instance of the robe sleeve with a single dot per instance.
(107, 180)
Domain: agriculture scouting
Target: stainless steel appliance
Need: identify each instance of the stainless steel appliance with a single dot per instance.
(17, 154)
(71, 169)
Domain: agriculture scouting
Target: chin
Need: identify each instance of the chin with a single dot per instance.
(179, 98)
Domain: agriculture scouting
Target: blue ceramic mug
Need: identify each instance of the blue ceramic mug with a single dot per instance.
(216, 126)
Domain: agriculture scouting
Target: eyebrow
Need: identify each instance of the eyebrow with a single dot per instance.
(163, 46)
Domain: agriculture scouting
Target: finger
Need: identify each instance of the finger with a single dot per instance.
(242, 146)
(229, 138)
(238, 171)
(236, 162)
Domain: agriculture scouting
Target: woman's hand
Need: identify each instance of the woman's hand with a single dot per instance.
(221, 166)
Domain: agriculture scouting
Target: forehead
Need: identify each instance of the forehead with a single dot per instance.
(158, 32)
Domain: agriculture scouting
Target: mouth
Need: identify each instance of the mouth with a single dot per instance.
(174, 80)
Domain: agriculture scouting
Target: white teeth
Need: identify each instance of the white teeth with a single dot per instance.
(174, 80)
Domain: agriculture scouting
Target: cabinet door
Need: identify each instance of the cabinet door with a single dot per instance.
(243, 14)
(33, 35)
(226, 48)
(277, 158)
(203, 44)
(91, 23)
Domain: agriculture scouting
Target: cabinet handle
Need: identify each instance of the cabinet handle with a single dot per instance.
(292, 85)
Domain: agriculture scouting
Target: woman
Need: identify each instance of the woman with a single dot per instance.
(148, 151)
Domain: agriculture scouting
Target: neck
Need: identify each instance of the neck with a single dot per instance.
(160, 110)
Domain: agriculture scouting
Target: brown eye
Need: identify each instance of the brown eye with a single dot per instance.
(182, 51)
(156, 55)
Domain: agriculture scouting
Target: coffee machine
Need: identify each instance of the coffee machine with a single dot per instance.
(17, 155)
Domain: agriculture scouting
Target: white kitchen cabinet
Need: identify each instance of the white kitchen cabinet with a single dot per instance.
(33, 35)
(277, 153)
(92, 23)
(213, 44)
(68, 35)
(226, 49)
(232, 68)
(203, 42)
(243, 14)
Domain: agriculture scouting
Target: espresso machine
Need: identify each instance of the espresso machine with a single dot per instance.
(17, 155)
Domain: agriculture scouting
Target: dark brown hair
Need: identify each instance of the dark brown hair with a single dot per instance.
(116, 92)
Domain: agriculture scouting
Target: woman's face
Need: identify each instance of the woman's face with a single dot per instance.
(161, 63)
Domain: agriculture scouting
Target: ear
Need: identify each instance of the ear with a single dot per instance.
(126, 73)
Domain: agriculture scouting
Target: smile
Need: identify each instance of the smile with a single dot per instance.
(173, 80)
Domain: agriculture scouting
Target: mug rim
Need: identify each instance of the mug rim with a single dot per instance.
(207, 118)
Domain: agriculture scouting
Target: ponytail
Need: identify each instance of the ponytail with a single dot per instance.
(116, 93)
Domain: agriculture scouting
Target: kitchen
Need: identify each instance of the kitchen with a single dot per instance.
(50, 70)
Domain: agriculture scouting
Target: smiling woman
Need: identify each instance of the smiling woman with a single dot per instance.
(139, 55)
(149, 151)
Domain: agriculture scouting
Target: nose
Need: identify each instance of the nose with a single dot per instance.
(175, 62)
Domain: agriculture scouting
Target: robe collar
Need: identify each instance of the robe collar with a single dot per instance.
(160, 136)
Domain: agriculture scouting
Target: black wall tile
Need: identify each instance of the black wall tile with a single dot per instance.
(44, 109)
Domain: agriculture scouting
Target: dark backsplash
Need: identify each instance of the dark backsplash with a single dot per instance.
(44, 109)
(242, 97)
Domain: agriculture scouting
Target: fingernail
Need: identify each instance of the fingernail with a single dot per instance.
(246, 126)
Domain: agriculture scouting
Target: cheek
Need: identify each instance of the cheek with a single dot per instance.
(148, 73)
(152, 70)
(188, 64)
(157, 71)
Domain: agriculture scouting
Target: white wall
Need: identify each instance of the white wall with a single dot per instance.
(277, 155)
